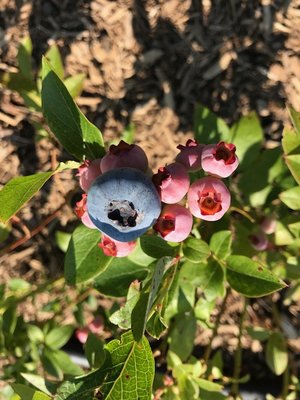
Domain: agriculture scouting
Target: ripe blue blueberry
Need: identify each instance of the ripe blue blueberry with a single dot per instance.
(123, 203)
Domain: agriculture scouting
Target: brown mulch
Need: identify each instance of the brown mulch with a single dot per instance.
(146, 62)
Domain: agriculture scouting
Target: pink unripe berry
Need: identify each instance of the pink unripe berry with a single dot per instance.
(259, 241)
(268, 225)
(88, 172)
(190, 155)
(82, 334)
(208, 198)
(96, 326)
(172, 183)
(174, 223)
(81, 212)
(115, 248)
(124, 155)
(219, 159)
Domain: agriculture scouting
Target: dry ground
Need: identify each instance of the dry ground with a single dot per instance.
(147, 62)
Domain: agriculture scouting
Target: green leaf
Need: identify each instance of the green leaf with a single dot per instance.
(94, 351)
(207, 395)
(138, 256)
(74, 84)
(18, 191)
(220, 244)
(249, 278)
(188, 389)
(54, 59)
(208, 385)
(291, 198)
(276, 353)
(141, 310)
(18, 285)
(27, 393)
(182, 334)
(156, 247)
(247, 135)
(58, 336)
(208, 127)
(208, 276)
(62, 240)
(115, 280)
(295, 117)
(24, 58)
(50, 364)
(291, 148)
(130, 370)
(84, 260)
(256, 183)
(40, 383)
(258, 333)
(290, 141)
(9, 321)
(35, 334)
(4, 231)
(283, 235)
(65, 363)
(156, 325)
(21, 189)
(196, 250)
(293, 163)
(16, 81)
(203, 309)
(81, 388)
(122, 317)
(77, 135)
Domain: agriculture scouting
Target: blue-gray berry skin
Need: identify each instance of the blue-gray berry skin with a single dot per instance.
(123, 203)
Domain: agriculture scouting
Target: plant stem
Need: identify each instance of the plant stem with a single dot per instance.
(208, 349)
(238, 354)
(286, 374)
(244, 213)
(285, 383)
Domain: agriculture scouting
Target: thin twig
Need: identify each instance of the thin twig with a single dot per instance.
(31, 234)
(238, 354)
(208, 349)
(244, 213)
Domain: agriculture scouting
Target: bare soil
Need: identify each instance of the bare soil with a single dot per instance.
(147, 62)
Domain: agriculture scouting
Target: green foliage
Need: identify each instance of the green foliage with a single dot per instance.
(84, 260)
(208, 127)
(143, 306)
(127, 373)
(246, 134)
(163, 289)
(220, 244)
(77, 135)
(94, 351)
(291, 198)
(58, 336)
(291, 148)
(29, 86)
(196, 250)
(115, 280)
(276, 353)
(156, 247)
(21, 189)
(250, 278)
(27, 393)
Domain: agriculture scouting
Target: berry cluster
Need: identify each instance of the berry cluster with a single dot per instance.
(124, 198)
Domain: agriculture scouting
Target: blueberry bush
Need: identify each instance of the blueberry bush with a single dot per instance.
(167, 249)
